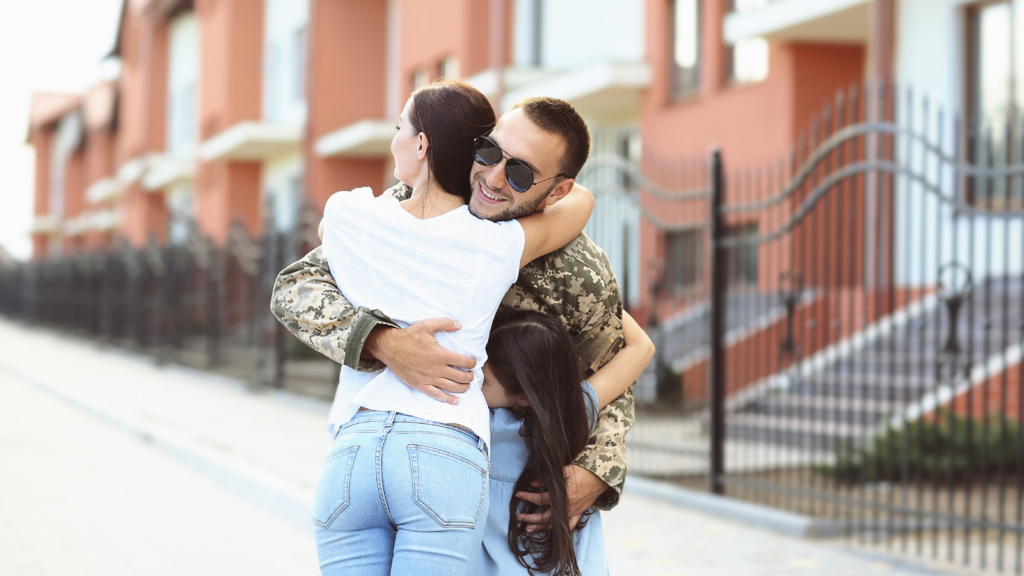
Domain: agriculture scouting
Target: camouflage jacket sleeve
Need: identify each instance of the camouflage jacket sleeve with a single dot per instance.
(306, 300)
(600, 339)
(577, 285)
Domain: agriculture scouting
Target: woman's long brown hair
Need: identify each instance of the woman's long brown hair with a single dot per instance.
(533, 356)
(452, 114)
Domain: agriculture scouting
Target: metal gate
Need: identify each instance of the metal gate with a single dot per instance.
(854, 352)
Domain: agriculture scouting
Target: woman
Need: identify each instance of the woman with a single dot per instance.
(541, 422)
(404, 489)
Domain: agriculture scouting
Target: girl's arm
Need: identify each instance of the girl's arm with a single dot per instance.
(556, 225)
(616, 376)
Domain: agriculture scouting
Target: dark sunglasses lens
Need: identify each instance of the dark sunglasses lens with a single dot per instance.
(487, 153)
(519, 176)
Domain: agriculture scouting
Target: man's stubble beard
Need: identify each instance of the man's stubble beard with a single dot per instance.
(515, 211)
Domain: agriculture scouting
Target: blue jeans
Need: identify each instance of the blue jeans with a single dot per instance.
(401, 495)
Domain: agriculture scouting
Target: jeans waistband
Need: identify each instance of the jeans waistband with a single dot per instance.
(389, 418)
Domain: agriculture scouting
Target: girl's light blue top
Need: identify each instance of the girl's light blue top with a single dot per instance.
(508, 458)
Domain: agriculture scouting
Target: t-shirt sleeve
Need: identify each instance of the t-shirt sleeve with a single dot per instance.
(330, 210)
(514, 238)
(337, 205)
(590, 401)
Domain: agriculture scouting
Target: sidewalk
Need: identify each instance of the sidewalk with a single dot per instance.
(222, 482)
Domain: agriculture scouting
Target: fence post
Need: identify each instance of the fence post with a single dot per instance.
(716, 331)
(212, 279)
(282, 257)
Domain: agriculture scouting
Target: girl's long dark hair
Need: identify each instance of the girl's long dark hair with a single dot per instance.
(533, 356)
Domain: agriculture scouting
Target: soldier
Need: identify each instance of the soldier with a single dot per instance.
(574, 284)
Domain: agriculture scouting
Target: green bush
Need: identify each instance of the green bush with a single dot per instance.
(944, 448)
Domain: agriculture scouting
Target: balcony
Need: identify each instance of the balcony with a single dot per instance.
(102, 190)
(92, 221)
(44, 224)
(840, 21)
(363, 139)
(605, 90)
(252, 141)
(165, 170)
(132, 170)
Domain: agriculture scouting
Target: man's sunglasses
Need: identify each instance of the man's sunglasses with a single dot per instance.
(518, 175)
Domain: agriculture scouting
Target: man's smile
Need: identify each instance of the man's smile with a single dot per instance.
(488, 195)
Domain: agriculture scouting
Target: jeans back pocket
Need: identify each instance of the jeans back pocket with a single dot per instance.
(332, 491)
(449, 487)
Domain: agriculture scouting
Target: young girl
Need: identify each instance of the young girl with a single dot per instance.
(404, 489)
(542, 420)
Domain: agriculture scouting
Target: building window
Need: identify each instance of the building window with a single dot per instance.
(285, 35)
(420, 78)
(182, 83)
(529, 33)
(180, 206)
(684, 261)
(283, 204)
(299, 64)
(271, 76)
(68, 139)
(686, 51)
(996, 91)
(627, 147)
(747, 60)
(448, 68)
(741, 262)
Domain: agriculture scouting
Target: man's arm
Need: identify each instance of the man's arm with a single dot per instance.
(599, 340)
(594, 316)
(307, 302)
(605, 457)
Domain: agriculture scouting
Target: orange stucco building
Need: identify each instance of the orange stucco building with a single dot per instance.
(253, 112)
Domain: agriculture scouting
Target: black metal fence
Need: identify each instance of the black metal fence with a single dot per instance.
(840, 333)
(854, 350)
(194, 303)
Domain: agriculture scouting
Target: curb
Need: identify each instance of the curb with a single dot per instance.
(279, 496)
(745, 513)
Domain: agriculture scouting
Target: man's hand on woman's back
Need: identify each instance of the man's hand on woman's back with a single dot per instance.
(583, 488)
(416, 358)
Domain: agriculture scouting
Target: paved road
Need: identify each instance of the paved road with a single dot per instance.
(110, 465)
(79, 497)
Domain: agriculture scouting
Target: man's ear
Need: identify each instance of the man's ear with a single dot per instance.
(559, 191)
(424, 145)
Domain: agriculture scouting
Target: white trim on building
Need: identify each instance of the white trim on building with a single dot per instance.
(366, 138)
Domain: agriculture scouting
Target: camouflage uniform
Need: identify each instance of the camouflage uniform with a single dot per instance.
(574, 283)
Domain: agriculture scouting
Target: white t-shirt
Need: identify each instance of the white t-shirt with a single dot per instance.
(451, 266)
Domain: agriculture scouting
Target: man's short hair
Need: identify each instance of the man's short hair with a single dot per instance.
(559, 117)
